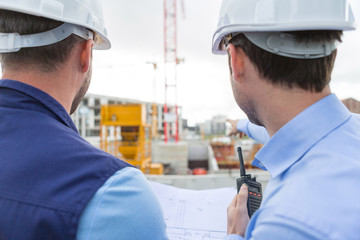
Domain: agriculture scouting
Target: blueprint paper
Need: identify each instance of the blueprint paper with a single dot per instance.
(194, 214)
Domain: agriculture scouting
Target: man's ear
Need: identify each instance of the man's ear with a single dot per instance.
(86, 54)
(236, 61)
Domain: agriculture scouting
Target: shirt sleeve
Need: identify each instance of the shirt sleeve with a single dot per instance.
(276, 227)
(279, 227)
(125, 207)
(254, 131)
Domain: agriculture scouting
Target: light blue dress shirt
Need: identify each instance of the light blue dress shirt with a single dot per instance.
(125, 207)
(314, 162)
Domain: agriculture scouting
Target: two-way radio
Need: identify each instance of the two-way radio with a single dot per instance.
(254, 188)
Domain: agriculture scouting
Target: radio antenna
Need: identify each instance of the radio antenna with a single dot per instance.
(241, 160)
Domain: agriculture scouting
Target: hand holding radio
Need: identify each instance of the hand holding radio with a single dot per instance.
(245, 203)
(237, 213)
(254, 188)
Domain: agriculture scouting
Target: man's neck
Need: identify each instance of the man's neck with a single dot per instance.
(283, 104)
(56, 84)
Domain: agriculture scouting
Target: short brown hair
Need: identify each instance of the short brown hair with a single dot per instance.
(45, 58)
(308, 74)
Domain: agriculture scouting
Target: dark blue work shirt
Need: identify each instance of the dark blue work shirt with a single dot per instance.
(48, 173)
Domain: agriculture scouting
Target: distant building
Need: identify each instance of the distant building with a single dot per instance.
(87, 115)
(215, 126)
(352, 104)
(218, 124)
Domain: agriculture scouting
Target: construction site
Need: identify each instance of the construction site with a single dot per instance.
(134, 132)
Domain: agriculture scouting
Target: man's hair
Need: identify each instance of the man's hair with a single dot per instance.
(308, 74)
(45, 58)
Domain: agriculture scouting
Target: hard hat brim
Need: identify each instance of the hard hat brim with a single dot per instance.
(237, 28)
(67, 11)
(241, 16)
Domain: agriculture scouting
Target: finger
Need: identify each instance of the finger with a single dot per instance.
(242, 196)
(232, 133)
(233, 202)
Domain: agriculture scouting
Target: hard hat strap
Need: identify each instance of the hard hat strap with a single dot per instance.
(13, 42)
(285, 44)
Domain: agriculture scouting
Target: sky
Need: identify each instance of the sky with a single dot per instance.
(136, 31)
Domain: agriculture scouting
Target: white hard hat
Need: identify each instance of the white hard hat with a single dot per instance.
(78, 15)
(275, 16)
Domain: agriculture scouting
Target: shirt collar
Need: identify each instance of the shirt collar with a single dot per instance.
(44, 98)
(295, 138)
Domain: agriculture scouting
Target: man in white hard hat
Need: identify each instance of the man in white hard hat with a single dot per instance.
(281, 55)
(53, 184)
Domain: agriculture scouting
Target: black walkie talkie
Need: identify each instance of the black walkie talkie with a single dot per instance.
(254, 188)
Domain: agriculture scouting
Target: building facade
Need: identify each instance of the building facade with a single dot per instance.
(215, 126)
(87, 116)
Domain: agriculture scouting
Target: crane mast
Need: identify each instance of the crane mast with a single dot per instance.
(171, 124)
